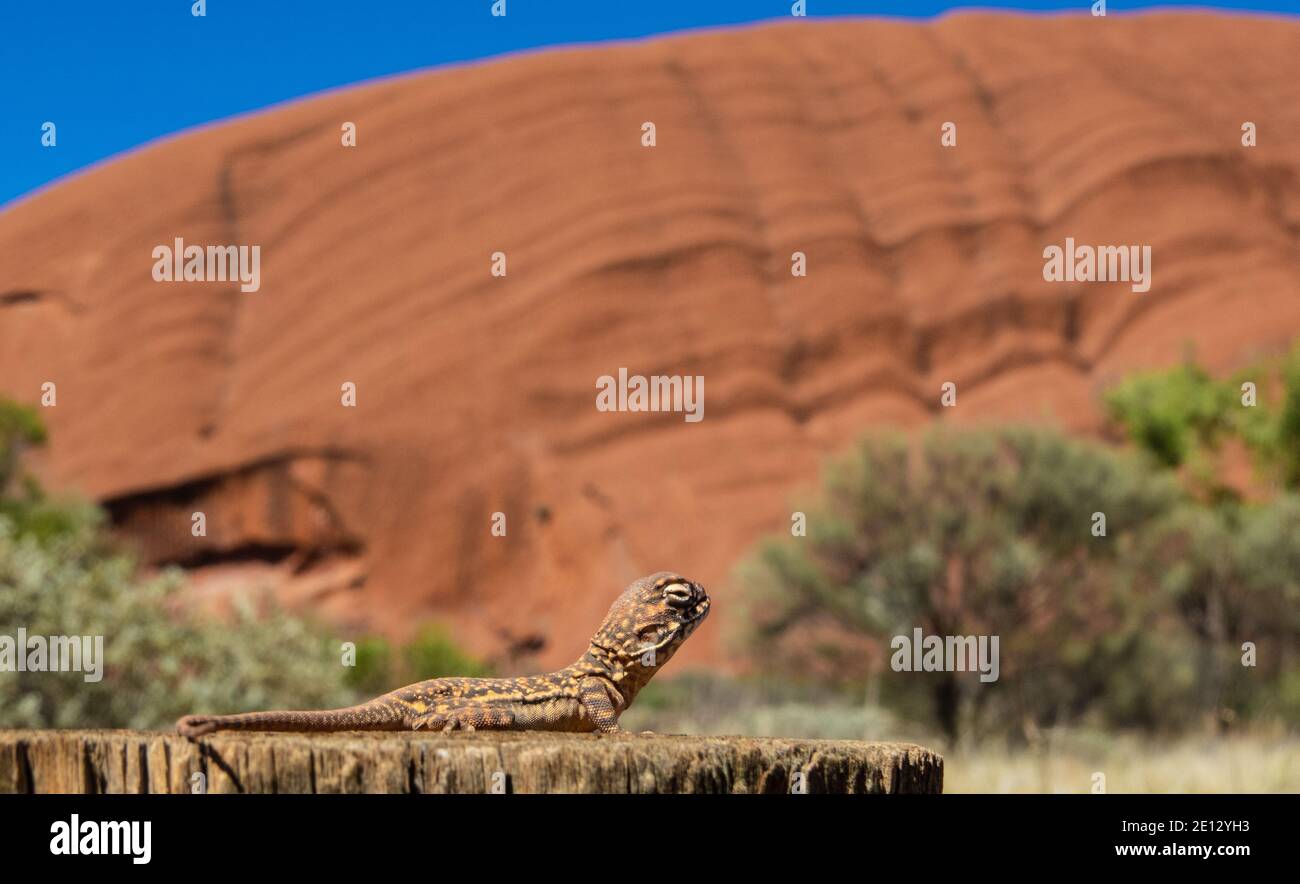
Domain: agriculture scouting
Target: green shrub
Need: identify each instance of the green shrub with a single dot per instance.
(986, 532)
(1173, 413)
(373, 673)
(60, 575)
(966, 533)
(1271, 429)
(1232, 575)
(20, 427)
(22, 500)
(433, 653)
(158, 663)
(1230, 570)
(1182, 416)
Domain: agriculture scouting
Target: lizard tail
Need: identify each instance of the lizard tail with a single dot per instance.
(366, 717)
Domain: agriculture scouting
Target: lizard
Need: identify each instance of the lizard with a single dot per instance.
(645, 626)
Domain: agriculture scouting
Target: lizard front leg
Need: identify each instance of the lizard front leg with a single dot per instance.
(594, 695)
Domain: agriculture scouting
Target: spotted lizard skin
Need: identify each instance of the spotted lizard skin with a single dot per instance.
(644, 628)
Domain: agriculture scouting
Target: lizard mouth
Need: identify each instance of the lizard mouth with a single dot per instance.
(698, 612)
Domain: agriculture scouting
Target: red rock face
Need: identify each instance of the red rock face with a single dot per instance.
(476, 394)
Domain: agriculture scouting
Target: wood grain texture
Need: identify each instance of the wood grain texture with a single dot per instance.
(146, 762)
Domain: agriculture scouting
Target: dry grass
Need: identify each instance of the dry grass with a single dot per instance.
(1263, 760)
(1248, 763)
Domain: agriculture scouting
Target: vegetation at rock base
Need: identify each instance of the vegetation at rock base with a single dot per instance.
(433, 652)
(1183, 416)
(62, 575)
(1184, 614)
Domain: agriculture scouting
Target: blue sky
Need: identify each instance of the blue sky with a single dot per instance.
(113, 75)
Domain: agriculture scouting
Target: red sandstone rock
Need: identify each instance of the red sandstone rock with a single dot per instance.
(476, 394)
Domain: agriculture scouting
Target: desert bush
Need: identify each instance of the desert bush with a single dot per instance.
(22, 500)
(20, 428)
(1230, 569)
(967, 533)
(985, 532)
(61, 575)
(1182, 415)
(432, 653)
(158, 662)
(1272, 429)
(373, 673)
(1173, 413)
(1231, 575)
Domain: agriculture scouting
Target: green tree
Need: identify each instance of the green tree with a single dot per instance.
(1229, 569)
(985, 532)
(1231, 575)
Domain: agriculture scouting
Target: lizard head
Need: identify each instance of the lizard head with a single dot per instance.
(650, 620)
